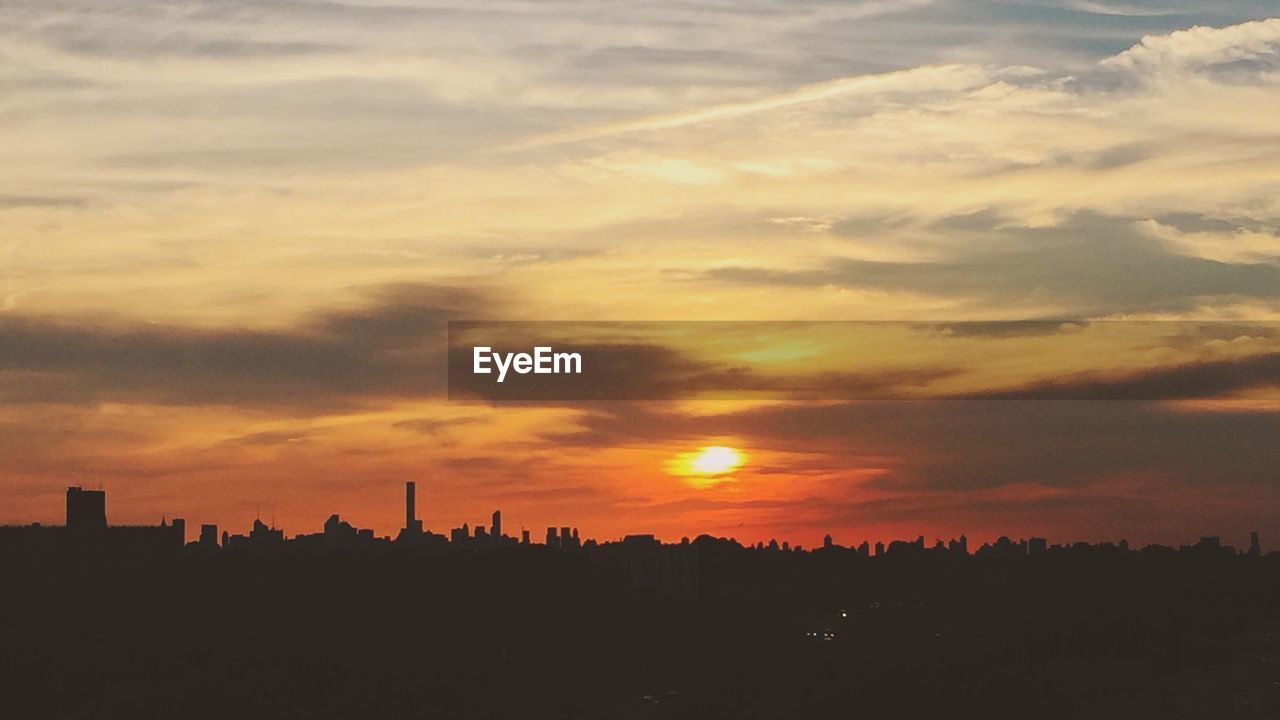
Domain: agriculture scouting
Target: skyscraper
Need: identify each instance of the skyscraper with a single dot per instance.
(86, 510)
(412, 525)
(209, 535)
(495, 527)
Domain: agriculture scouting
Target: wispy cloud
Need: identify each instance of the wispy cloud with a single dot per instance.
(951, 77)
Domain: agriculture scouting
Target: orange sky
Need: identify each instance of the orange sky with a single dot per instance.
(231, 237)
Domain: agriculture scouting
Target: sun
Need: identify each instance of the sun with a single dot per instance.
(707, 466)
(715, 460)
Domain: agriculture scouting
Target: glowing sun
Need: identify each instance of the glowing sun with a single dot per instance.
(708, 465)
(715, 460)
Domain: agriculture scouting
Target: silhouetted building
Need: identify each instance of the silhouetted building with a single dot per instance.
(647, 564)
(1209, 545)
(261, 537)
(339, 532)
(88, 532)
(413, 533)
(1037, 546)
(495, 526)
(1255, 548)
(412, 525)
(460, 535)
(142, 539)
(902, 548)
(209, 535)
(262, 533)
(86, 510)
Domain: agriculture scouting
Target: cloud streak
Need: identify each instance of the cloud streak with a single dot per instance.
(391, 351)
(1090, 264)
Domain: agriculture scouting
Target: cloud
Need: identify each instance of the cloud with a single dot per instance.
(1119, 9)
(390, 350)
(885, 86)
(1201, 47)
(1195, 380)
(628, 371)
(1086, 265)
(1012, 328)
(266, 439)
(952, 446)
(81, 40)
(8, 202)
(1230, 241)
(434, 426)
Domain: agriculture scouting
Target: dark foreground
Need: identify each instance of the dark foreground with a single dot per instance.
(528, 633)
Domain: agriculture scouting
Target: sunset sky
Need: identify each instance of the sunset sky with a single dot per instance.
(232, 233)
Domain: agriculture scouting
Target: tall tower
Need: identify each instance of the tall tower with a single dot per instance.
(496, 524)
(86, 510)
(411, 522)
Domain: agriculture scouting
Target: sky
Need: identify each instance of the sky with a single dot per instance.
(232, 233)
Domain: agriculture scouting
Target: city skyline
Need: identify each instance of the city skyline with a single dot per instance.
(85, 513)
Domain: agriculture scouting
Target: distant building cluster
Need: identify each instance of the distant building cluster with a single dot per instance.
(86, 526)
(1003, 547)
